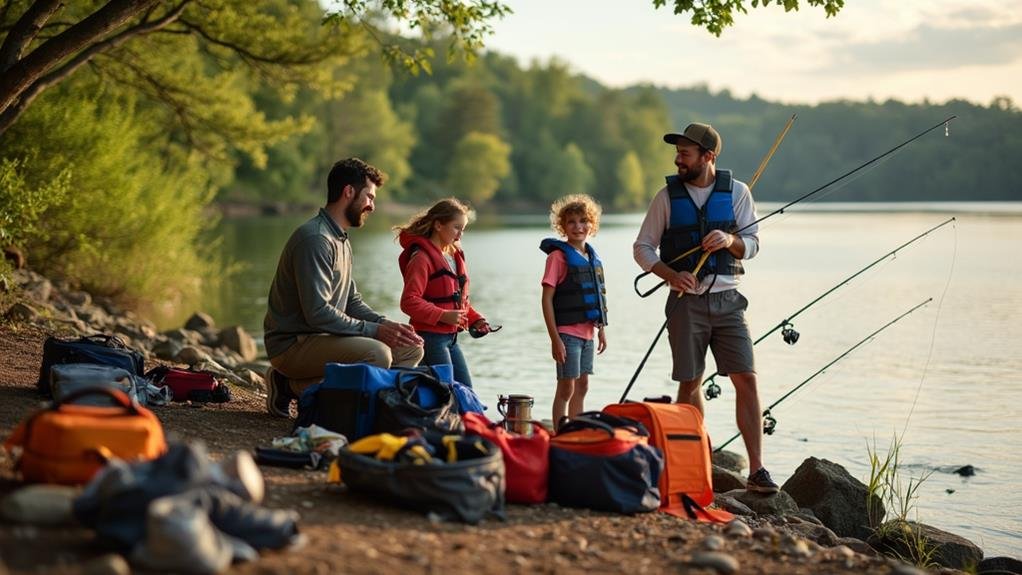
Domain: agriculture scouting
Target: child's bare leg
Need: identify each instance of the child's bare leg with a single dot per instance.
(575, 404)
(565, 389)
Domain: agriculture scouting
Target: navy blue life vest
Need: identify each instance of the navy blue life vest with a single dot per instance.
(582, 296)
(690, 224)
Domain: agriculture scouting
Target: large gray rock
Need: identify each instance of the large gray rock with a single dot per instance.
(22, 312)
(836, 498)
(949, 550)
(728, 503)
(199, 320)
(999, 565)
(167, 349)
(238, 340)
(725, 480)
(779, 503)
(730, 460)
(815, 533)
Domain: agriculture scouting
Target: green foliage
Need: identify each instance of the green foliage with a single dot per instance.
(465, 24)
(632, 191)
(128, 223)
(24, 198)
(715, 15)
(887, 489)
(479, 163)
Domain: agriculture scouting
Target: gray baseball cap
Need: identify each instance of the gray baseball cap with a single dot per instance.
(700, 134)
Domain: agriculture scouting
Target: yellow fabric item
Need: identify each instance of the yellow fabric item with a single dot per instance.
(385, 447)
(334, 475)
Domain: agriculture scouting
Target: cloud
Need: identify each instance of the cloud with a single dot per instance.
(930, 47)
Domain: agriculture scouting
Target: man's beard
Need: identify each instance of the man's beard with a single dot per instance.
(355, 216)
(692, 174)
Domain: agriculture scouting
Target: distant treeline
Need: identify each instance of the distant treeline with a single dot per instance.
(107, 177)
(497, 133)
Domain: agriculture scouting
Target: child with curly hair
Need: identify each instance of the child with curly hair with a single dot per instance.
(435, 294)
(574, 300)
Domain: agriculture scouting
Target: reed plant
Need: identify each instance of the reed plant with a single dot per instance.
(888, 490)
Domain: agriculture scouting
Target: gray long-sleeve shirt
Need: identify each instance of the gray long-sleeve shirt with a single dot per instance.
(313, 291)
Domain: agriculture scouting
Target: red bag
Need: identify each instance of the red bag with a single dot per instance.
(526, 459)
(188, 385)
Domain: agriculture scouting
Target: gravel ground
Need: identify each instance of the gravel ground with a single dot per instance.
(349, 534)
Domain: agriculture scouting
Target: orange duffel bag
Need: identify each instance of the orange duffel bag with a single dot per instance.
(68, 443)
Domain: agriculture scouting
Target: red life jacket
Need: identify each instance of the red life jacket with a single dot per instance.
(444, 288)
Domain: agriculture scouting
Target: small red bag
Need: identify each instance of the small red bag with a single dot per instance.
(526, 458)
(188, 385)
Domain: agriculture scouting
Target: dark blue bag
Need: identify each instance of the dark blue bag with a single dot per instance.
(345, 401)
(97, 349)
(604, 462)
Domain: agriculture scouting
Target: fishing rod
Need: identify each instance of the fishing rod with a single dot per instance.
(788, 332)
(759, 171)
(945, 122)
(770, 423)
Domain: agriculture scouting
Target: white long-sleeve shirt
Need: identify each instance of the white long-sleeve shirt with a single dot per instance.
(658, 218)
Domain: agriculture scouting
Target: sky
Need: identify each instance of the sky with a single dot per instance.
(909, 50)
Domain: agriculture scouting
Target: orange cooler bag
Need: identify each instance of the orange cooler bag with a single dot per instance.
(68, 443)
(686, 486)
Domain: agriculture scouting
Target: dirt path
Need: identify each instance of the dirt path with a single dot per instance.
(348, 534)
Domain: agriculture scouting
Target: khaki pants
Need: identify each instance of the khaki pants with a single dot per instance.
(304, 361)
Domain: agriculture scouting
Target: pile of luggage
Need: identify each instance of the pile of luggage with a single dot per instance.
(419, 439)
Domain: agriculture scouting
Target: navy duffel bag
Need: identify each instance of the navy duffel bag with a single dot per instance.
(603, 462)
(98, 349)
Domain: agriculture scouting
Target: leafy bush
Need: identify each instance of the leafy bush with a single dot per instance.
(92, 201)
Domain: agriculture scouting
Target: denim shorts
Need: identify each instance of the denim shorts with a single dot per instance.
(578, 357)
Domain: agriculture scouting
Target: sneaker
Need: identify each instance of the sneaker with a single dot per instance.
(760, 482)
(278, 394)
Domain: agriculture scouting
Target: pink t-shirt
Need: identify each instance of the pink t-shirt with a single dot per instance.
(555, 273)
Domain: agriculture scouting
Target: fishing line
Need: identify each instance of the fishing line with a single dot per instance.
(786, 326)
(781, 210)
(933, 334)
(768, 419)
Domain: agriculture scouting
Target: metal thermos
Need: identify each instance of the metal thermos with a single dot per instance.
(517, 412)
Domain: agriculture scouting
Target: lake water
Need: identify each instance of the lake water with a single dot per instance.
(954, 365)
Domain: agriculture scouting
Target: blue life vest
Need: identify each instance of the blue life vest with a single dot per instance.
(582, 296)
(690, 224)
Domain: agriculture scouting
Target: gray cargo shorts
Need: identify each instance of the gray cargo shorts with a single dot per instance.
(714, 320)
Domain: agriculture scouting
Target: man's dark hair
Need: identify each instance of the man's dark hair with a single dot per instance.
(351, 172)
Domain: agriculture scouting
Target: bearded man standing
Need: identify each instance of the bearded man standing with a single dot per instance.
(702, 207)
(316, 314)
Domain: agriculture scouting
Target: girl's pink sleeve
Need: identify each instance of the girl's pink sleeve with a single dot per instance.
(556, 269)
(412, 302)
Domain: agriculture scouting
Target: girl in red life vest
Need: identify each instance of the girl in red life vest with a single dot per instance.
(435, 295)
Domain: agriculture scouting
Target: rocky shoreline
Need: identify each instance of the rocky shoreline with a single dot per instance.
(816, 524)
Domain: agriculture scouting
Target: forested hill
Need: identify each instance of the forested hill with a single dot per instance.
(978, 160)
(497, 133)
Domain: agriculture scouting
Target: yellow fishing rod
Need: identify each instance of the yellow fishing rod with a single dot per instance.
(752, 182)
(702, 259)
(780, 210)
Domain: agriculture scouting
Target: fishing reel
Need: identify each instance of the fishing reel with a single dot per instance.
(769, 423)
(712, 391)
(789, 334)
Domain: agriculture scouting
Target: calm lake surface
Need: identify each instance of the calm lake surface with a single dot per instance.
(947, 376)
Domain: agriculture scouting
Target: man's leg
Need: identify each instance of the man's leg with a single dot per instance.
(688, 331)
(406, 356)
(304, 361)
(689, 392)
(747, 414)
